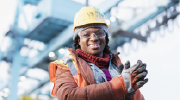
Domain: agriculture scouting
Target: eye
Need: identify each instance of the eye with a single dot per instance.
(86, 35)
(99, 33)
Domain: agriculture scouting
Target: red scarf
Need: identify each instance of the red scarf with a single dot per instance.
(98, 61)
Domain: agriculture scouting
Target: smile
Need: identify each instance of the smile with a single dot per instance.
(94, 46)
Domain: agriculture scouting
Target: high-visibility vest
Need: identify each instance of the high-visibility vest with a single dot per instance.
(66, 63)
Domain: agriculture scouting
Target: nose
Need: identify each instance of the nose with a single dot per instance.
(93, 37)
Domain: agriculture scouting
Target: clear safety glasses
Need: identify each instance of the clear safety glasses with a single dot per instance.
(87, 34)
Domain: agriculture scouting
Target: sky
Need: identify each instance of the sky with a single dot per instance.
(7, 14)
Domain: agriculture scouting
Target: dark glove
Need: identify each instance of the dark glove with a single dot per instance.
(133, 76)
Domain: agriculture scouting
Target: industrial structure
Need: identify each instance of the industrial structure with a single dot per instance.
(43, 28)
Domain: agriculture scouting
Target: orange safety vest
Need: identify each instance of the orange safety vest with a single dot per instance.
(66, 63)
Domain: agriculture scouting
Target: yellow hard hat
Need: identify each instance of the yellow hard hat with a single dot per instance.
(88, 15)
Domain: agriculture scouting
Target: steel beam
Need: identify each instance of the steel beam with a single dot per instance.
(16, 65)
(130, 35)
(54, 44)
(106, 5)
(150, 14)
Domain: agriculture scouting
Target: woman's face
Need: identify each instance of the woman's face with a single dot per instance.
(93, 41)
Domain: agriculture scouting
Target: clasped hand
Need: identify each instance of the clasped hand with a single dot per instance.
(134, 76)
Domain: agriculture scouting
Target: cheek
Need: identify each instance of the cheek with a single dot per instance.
(104, 42)
(82, 42)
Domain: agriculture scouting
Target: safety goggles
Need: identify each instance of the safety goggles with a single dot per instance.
(88, 34)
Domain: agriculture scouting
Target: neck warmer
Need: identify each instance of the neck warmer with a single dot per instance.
(98, 61)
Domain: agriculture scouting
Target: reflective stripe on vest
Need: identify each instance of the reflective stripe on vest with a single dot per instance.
(70, 63)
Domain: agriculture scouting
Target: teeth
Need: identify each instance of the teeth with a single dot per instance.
(94, 45)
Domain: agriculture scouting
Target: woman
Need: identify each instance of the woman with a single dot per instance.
(91, 71)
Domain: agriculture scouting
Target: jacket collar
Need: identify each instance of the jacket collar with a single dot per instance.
(83, 67)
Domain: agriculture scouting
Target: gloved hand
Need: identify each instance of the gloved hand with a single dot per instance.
(140, 73)
(130, 80)
(133, 76)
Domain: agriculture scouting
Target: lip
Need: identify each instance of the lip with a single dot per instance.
(94, 46)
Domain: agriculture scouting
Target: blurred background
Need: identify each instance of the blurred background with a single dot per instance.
(36, 32)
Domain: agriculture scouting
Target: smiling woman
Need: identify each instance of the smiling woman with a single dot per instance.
(92, 71)
(93, 41)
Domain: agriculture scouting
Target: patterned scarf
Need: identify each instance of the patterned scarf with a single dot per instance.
(98, 61)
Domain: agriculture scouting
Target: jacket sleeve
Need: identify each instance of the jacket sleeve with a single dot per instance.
(119, 89)
(66, 88)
